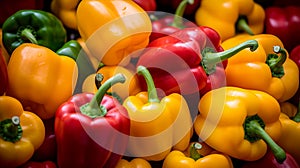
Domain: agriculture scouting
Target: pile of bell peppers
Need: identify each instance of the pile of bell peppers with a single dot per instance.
(149, 84)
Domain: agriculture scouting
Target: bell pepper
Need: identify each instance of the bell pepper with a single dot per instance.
(96, 124)
(47, 151)
(290, 121)
(197, 155)
(33, 164)
(40, 78)
(65, 10)
(134, 163)
(121, 27)
(193, 59)
(149, 5)
(168, 24)
(295, 56)
(157, 125)
(129, 88)
(8, 8)
(243, 125)
(268, 69)
(269, 161)
(21, 133)
(231, 17)
(284, 22)
(3, 75)
(35, 26)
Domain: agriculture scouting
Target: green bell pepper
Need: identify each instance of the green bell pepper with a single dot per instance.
(35, 26)
(71, 49)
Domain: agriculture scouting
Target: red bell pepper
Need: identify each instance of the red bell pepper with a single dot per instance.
(167, 23)
(295, 56)
(3, 75)
(33, 164)
(180, 62)
(9, 7)
(149, 5)
(269, 161)
(92, 130)
(284, 22)
(47, 151)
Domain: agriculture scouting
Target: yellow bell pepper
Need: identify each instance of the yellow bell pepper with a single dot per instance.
(129, 88)
(157, 125)
(197, 155)
(134, 163)
(290, 138)
(239, 122)
(250, 70)
(113, 29)
(21, 133)
(228, 17)
(65, 10)
(41, 79)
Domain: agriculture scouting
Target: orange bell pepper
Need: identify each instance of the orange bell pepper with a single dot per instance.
(134, 163)
(113, 29)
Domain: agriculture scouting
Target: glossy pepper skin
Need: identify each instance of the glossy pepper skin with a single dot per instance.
(93, 123)
(295, 56)
(21, 133)
(268, 69)
(166, 122)
(194, 57)
(269, 161)
(35, 26)
(40, 78)
(3, 75)
(197, 155)
(284, 22)
(45, 164)
(247, 121)
(289, 140)
(105, 19)
(129, 88)
(134, 163)
(149, 5)
(230, 17)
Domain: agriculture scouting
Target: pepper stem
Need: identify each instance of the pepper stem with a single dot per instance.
(177, 22)
(194, 154)
(210, 58)
(253, 128)
(93, 109)
(27, 34)
(242, 25)
(276, 63)
(10, 129)
(296, 118)
(152, 93)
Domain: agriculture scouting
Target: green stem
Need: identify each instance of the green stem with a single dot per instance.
(98, 80)
(194, 154)
(254, 128)
(152, 93)
(242, 25)
(10, 129)
(93, 109)
(177, 22)
(27, 34)
(296, 118)
(211, 58)
(276, 62)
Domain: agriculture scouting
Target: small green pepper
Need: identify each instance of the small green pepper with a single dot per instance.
(34, 26)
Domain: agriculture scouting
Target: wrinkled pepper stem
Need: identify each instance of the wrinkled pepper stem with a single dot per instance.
(94, 109)
(178, 18)
(276, 62)
(254, 129)
(243, 26)
(10, 129)
(194, 154)
(152, 93)
(27, 34)
(211, 58)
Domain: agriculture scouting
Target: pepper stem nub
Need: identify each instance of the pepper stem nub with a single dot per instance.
(243, 26)
(28, 35)
(211, 58)
(10, 129)
(178, 17)
(94, 108)
(276, 62)
(254, 131)
(194, 154)
(152, 93)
